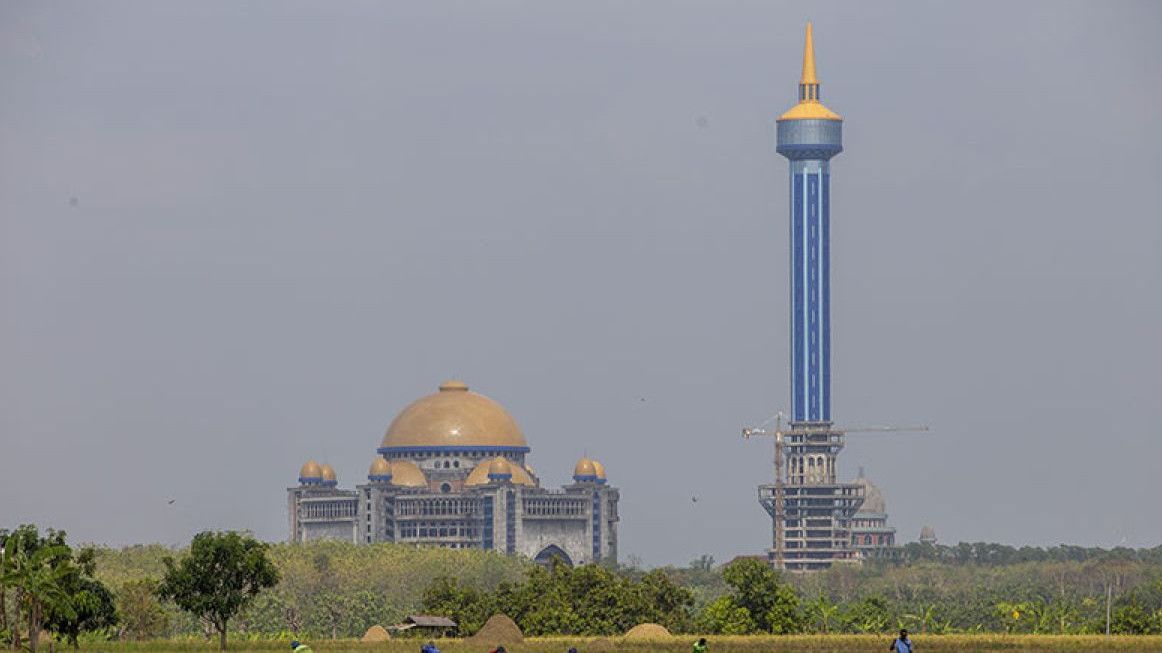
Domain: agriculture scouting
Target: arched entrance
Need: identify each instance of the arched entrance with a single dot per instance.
(545, 557)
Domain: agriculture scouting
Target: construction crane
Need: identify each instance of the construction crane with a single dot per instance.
(777, 434)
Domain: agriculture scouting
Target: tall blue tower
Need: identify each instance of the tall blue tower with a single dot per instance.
(811, 511)
(809, 134)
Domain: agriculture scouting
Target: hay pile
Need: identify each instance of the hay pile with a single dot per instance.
(647, 632)
(376, 633)
(498, 630)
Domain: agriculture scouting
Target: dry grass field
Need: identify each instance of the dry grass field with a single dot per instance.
(682, 644)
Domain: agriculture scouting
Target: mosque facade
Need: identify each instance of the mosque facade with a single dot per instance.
(871, 535)
(451, 472)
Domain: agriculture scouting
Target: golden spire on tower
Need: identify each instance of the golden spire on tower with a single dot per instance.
(809, 107)
(809, 59)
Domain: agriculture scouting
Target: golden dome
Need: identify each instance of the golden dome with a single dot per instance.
(405, 473)
(454, 417)
(585, 470)
(598, 469)
(480, 475)
(328, 473)
(380, 469)
(310, 472)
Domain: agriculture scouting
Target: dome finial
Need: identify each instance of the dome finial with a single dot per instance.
(809, 107)
(809, 59)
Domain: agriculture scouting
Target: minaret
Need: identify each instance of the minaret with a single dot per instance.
(809, 134)
(810, 509)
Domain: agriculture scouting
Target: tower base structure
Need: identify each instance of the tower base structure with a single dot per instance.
(811, 512)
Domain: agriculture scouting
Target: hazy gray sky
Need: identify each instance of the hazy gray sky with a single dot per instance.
(234, 236)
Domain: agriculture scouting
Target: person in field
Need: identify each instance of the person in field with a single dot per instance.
(299, 647)
(700, 645)
(902, 643)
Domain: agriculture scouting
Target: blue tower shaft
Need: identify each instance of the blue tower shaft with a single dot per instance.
(810, 265)
(810, 134)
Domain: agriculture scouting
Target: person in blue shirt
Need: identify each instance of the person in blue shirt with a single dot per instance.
(430, 647)
(902, 643)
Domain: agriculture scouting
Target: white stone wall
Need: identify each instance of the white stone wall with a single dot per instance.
(314, 531)
(568, 534)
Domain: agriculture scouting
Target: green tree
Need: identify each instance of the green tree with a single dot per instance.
(1134, 618)
(540, 604)
(220, 576)
(89, 605)
(924, 618)
(54, 587)
(91, 608)
(870, 614)
(822, 612)
(1012, 613)
(467, 606)
(772, 604)
(37, 582)
(723, 616)
(139, 611)
(666, 602)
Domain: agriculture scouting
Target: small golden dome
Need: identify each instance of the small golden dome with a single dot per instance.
(310, 472)
(328, 473)
(585, 470)
(380, 469)
(407, 474)
(598, 469)
(530, 470)
(521, 477)
(451, 418)
(497, 467)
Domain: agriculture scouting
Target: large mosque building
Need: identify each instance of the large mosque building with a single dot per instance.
(452, 472)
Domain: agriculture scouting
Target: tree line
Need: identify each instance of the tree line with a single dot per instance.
(228, 584)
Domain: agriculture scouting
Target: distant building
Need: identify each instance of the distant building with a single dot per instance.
(451, 472)
(928, 536)
(871, 535)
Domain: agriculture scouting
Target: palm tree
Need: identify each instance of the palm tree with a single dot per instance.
(925, 618)
(38, 586)
(824, 609)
